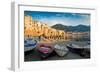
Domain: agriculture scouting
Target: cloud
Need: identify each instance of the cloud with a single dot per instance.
(53, 21)
(85, 20)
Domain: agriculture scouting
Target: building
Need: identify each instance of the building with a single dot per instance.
(36, 28)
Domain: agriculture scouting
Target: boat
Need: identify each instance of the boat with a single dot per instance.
(75, 48)
(29, 44)
(45, 50)
(86, 51)
(81, 50)
(61, 50)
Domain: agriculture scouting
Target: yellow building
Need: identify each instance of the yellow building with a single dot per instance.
(36, 28)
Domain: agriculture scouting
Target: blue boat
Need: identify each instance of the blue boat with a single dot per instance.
(29, 44)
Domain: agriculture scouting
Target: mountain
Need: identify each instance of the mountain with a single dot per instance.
(78, 28)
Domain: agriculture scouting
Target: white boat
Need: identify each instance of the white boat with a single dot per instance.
(29, 44)
(61, 50)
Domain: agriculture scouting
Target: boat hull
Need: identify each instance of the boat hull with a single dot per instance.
(61, 50)
(75, 50)
(84, 52)
(29, 44)
(45, 50)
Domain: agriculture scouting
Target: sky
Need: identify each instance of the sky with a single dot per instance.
(52, 18)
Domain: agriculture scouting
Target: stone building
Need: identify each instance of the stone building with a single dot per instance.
(36, 29)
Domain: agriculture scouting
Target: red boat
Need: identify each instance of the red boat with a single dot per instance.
(45, 50)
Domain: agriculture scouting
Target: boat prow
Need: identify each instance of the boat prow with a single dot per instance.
(61, 50)
(29, 44)
(45, 50)
(81, 50)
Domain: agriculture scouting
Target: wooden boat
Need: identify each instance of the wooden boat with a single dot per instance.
(75, 48)
(61, 50)
(81, 50)
(29, 44)
(45, 50)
